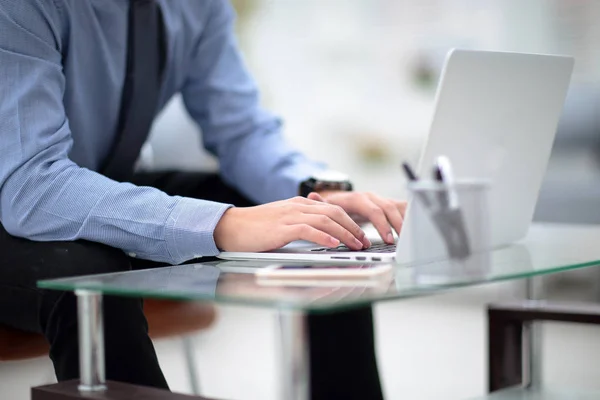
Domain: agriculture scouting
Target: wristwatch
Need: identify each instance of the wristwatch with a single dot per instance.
(325, 180)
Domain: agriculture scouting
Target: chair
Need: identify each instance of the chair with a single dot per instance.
(166, 318)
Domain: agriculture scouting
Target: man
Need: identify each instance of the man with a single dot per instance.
(76, 105)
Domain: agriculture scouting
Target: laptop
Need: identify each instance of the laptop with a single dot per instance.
(496, 115)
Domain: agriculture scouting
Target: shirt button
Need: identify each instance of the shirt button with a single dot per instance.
(132, 255)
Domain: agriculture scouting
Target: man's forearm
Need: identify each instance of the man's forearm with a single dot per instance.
(65, 202)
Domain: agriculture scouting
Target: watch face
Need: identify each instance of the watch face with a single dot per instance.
(330, 176)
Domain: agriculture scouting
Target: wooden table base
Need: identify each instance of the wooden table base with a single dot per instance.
(115, 391)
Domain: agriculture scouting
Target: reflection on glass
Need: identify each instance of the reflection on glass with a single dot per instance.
(547, 249)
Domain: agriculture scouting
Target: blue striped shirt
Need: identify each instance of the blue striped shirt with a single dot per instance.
(62, 68)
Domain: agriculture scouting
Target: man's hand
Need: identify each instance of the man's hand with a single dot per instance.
(385, 214)
(271, 226)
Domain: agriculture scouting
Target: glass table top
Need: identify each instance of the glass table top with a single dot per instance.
(546, 249)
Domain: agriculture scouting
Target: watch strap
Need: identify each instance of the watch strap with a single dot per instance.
(313, 185)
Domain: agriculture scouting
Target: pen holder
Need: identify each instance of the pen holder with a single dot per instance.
(449, 224)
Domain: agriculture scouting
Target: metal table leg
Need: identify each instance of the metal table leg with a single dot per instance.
(294, 353)
(91, 341)
(533, 338)
(192, 366)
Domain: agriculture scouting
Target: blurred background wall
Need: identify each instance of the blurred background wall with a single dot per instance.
(355, 81)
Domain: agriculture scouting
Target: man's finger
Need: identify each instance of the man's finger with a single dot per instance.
(340, 216)
(392, 213)
(331, 227)
(368, 209)
(316, 197)
(310, 234)
(401, 205)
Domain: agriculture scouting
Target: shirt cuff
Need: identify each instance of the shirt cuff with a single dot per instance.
(190, 229)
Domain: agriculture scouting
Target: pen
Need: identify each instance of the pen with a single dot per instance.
(445, 169)
(444, 173)
(412, 177)
(437, 174)
(410, 174)
(449, 218)
(442, 192)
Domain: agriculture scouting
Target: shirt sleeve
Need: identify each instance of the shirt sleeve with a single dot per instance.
(222, 98)
(45, 196)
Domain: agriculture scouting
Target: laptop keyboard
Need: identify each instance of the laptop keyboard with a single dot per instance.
(375, 248)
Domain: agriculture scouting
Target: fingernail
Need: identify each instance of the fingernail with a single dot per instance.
(358, 243)
(334, 242)
(390, 238)
(366, 242)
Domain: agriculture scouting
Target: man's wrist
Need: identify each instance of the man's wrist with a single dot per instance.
(222, 231)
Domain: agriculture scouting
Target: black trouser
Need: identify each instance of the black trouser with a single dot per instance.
(342, 350)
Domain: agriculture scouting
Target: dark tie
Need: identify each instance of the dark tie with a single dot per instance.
(146, 54)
